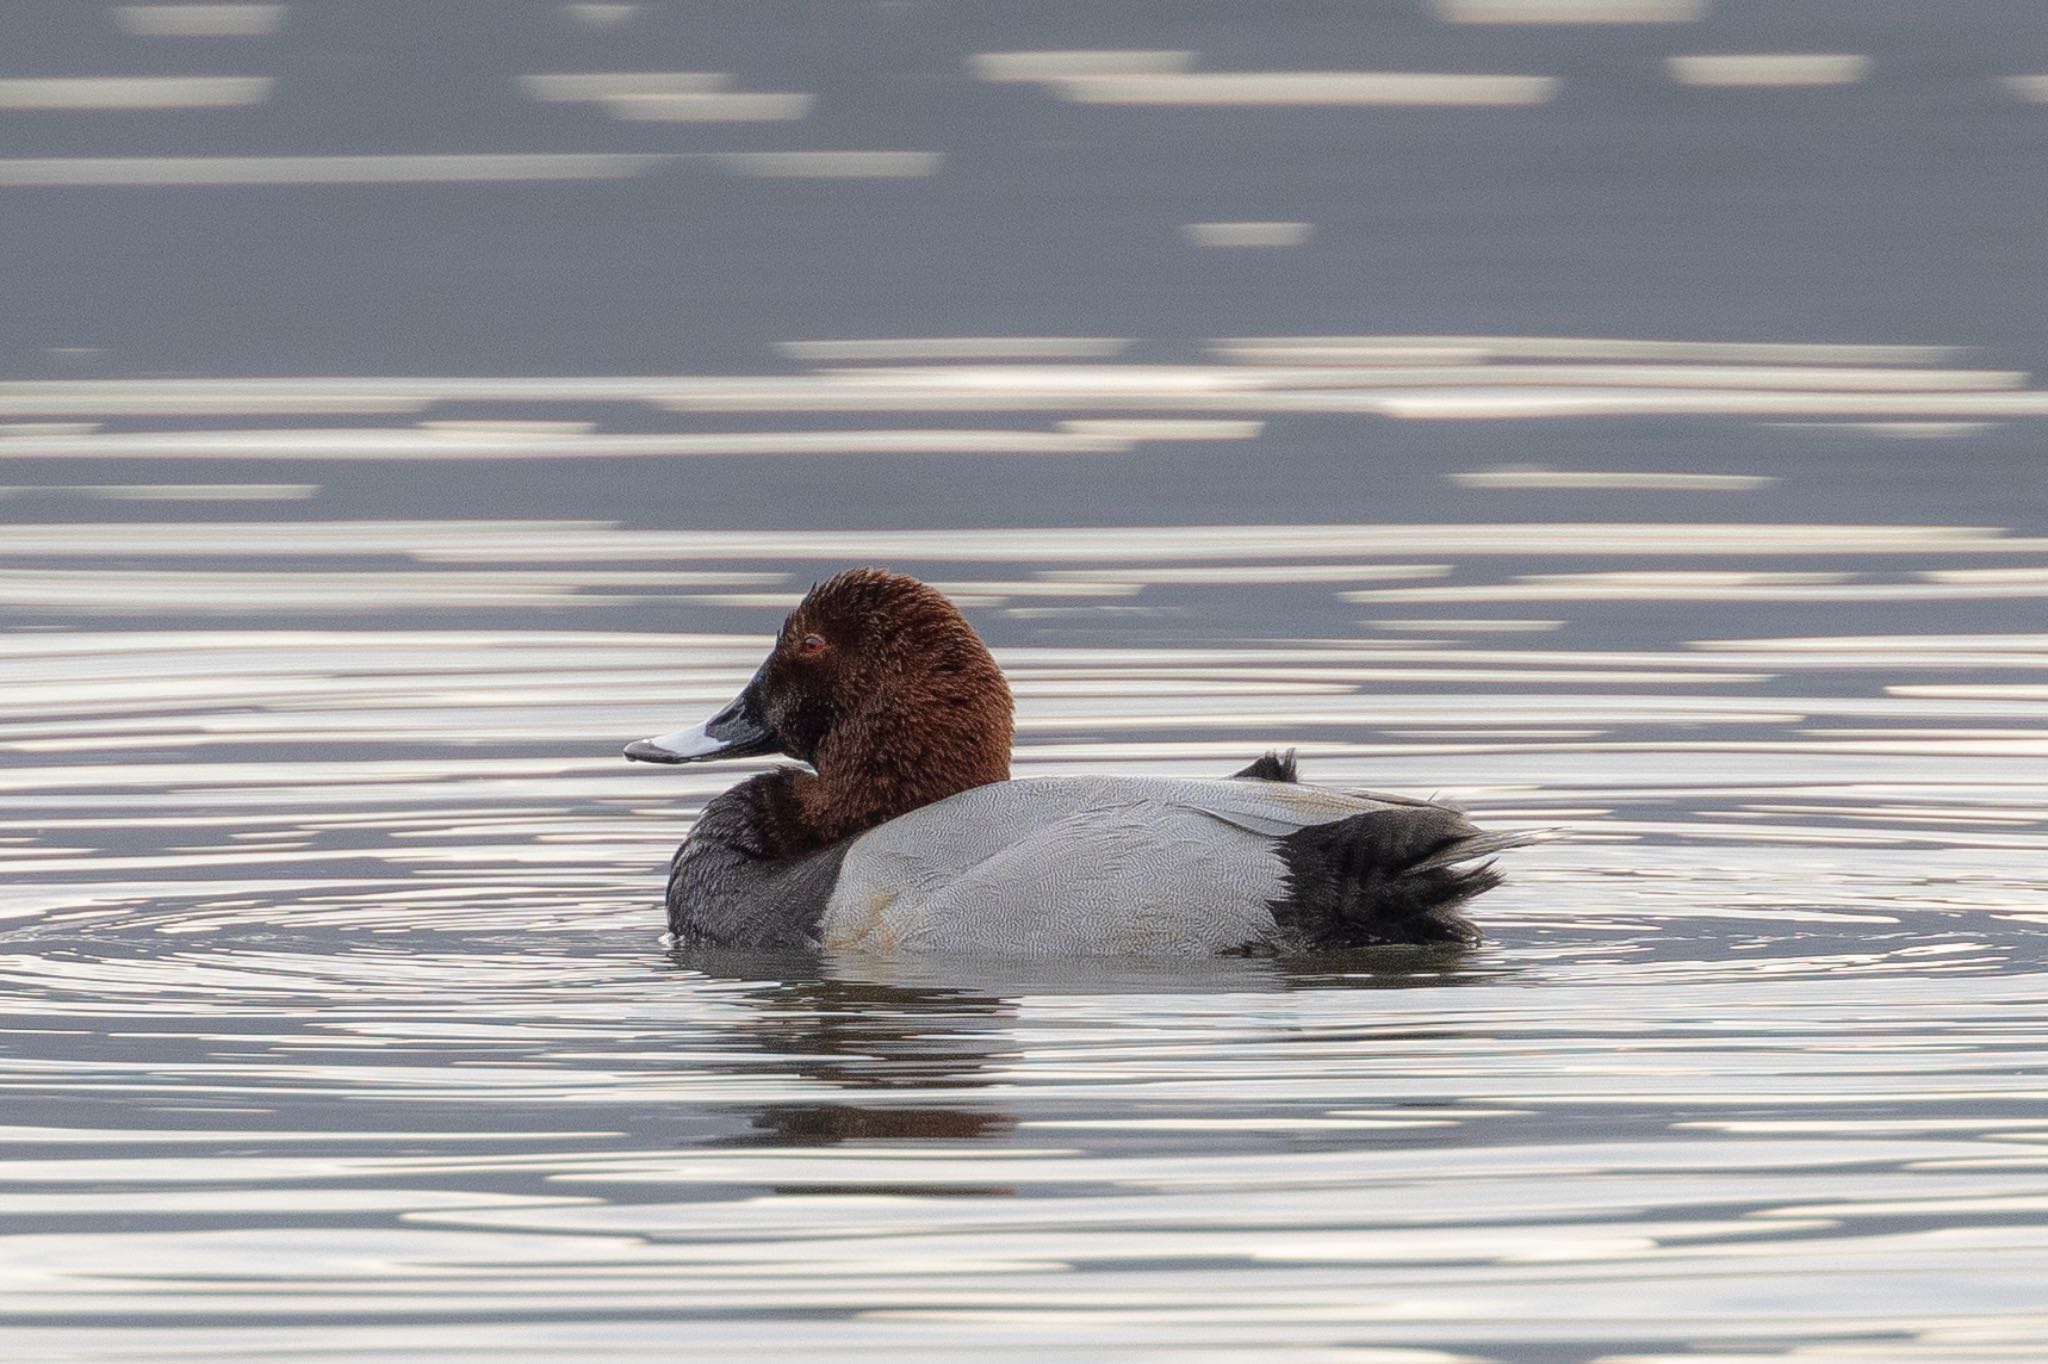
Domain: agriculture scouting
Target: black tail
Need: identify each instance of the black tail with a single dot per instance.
(1271, 767)
(1387, 876)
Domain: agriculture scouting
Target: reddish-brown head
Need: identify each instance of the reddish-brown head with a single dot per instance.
(880, 684)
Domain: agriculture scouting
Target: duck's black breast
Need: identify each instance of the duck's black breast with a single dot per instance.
(729, 887)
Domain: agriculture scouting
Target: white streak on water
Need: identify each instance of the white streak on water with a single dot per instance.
(1505, 404)
(600, 15)
(1894, 430)
(1570, 11)
(596, 86)
(666, 96)
(133, 92)
(1253, 573)
(167, 492)
(710, 107)
(1529, 478)
(1056, 64)
(1699, 587)
(1297, 349)
(199, 21)
(1247, 234)
(548, 441)
(1768, 70)
(1163, 428)
(2030, 574)
(1471, 624)
(172, 400)
(2004, 691)
(956, 348)
(1251, 89)
(48, 428)
(346, 593)
(1891, 645)
(832, 165)
(394, 169)
(1798, 378)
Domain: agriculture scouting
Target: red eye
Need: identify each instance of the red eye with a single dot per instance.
(810, 644)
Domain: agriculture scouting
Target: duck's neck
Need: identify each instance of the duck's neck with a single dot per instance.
(873, 768)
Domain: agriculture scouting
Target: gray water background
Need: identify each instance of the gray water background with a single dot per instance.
(348, 528)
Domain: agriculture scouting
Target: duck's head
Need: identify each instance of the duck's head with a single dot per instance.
(879, 683)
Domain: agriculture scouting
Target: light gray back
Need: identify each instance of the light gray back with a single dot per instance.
(1069, 866)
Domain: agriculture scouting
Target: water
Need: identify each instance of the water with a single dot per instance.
(395, 423)
(338, 1026)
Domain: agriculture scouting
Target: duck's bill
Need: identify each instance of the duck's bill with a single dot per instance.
(735, 732)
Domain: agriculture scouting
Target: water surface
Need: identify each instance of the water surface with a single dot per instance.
(1635, 433)
(336, 1006)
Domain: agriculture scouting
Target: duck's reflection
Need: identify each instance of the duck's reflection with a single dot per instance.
(906, 1043)
(874, 1041)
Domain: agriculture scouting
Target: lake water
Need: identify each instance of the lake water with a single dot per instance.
(338, 1027)
(1599, 454)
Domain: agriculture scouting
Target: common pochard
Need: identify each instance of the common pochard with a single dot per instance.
(908, 834)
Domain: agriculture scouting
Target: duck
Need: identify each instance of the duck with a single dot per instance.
(905, 832)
